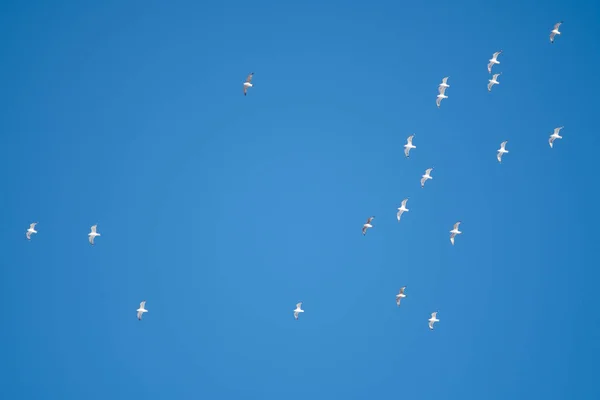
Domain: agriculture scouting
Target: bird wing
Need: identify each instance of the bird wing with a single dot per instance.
(91, 239)
(409, 139)
(32, 226)
(139, 315)
(404, 202)
(434, 315)
(296, 314)
(452, 239)
(369, 220)
(496, 76)
(496, 54)
(143, 304)
(557, 130)
(249, 78)
(94, 228)
(499, 156)
(28, 234)
(445, 81)
(428, 171)
(245, 90)
(423, 179)
(503, 145)
(490, 85)
(442, 89)
(552, 34)
(557, 25)
(490, 65)
(430, 324)
(551, 140)
(438, 101)
(402, 289)
(406, 150)
(456, 225)
(299, 305)
(398, 298)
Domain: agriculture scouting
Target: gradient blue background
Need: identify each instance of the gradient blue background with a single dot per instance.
(223, 211)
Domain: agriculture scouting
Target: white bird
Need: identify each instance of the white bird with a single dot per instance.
(141, 310)
(555, 31)
(400, 295)
(441, 96)
(494, 60)
(367, 225)
(248, 83)
(402, 209)
(426, 176)
(93, 234)
(493, 81)
(555, 135)
(502, 150)
(454, 232)
(409, 145)
(444, 84)
(433, 320)
(31, 230)
(298, 310)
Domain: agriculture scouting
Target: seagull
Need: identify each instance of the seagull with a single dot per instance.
(298, 310)
(444, 84)
(400, 295)
(248, 83)
(502, 150)
(93, 234)
(555, 135)
(426, 176)
(454, 232)
(494, 60)
(493, 81)
(555, 31)
(409, 145)
(367, 225)
(402, 209)
(441, 96)
(141, 310)
(31, 230)
(433, 320)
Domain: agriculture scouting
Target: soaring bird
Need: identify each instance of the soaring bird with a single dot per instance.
(493, 81)
(441, 96)
(400, 295)
(555, 31)
(298, 310)
(402, 209)
(433, 320)
(248, 83)
(555, 135)
(141, 310)
(93, 234)
(502, 150)
(409, 145)
(494, 60)
(367, 225)
(31, 230)
(454, 232)
(427, 176)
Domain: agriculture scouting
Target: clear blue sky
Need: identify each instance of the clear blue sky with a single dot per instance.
(223, 211)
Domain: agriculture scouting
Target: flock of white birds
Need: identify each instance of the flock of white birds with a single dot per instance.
(407, 148)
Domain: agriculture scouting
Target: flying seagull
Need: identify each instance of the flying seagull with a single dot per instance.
(433, 320)
(555, 31)
(494, 60)
(493, 81)
(367, 226)
(444, 84)
(409, 145)
(454, 232)
(402, 209)
(141, 310)
(555, 135)
(248, 83)
(400, 295)
(426, 176)
(298, 310)
(441, 96)
(502, 150)
(93, 234)
(31, 230)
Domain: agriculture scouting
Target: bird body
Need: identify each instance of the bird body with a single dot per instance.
(433, 320)
(298, 310)
(442, 91)
(494, 60)
(502, 150)
(555, 135)
(409, 145)
(93, 234)
(400, 295)
(454, 232)
(425, 177)
(31, 230)
(555, 31)
(367, 225)
(402, 209)
(248, 83)
(141, 310)
(493, 81)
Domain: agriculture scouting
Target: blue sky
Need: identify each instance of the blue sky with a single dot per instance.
(223, 211)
